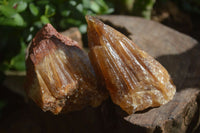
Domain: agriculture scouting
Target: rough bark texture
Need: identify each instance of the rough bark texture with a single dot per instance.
(180, 56)
(177, 116)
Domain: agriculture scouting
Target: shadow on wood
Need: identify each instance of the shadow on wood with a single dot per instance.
(184, 68)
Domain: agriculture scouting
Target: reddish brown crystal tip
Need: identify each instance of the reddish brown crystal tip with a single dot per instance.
(94, 30)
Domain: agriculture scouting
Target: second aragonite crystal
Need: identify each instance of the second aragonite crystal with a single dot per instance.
(134, 79)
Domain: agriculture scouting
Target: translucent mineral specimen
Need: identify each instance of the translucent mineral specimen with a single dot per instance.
(134, 79)
(59, 74)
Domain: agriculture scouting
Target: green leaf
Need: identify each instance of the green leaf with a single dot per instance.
(15, 20)
(18, 62)
(43, 2)
(100, 7)
(10, 17)
(72, 2)
(66, 23)
(101, 3)
(38, 24)
(19, 21)
(95, 7)
(7, 11)
(34, 9)
(73, 21)
(49, 11)
(110, 10)
(17, 16)
(44, 19)
(79, 7)
(143, 8)
(65, 13)
(86, 3)
(83, 28)
(21, 6)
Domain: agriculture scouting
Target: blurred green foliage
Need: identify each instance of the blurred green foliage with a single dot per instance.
(21, 19)
(141, 8)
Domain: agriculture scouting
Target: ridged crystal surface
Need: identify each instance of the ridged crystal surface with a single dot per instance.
(60, 77)
(134, 79)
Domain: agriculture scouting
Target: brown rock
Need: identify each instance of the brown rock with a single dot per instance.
(134, 79)
(74, 34)
(59, 74)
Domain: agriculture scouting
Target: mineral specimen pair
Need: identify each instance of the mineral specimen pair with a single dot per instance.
(60, 77)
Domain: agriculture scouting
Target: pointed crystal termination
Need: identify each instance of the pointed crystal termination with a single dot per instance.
(60, 77)
(134, 79)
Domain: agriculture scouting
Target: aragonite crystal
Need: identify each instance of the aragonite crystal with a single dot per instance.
(59, 74)
(134, 79)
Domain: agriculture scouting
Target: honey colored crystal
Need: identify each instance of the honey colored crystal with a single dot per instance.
(60, 77)
(134, 79)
